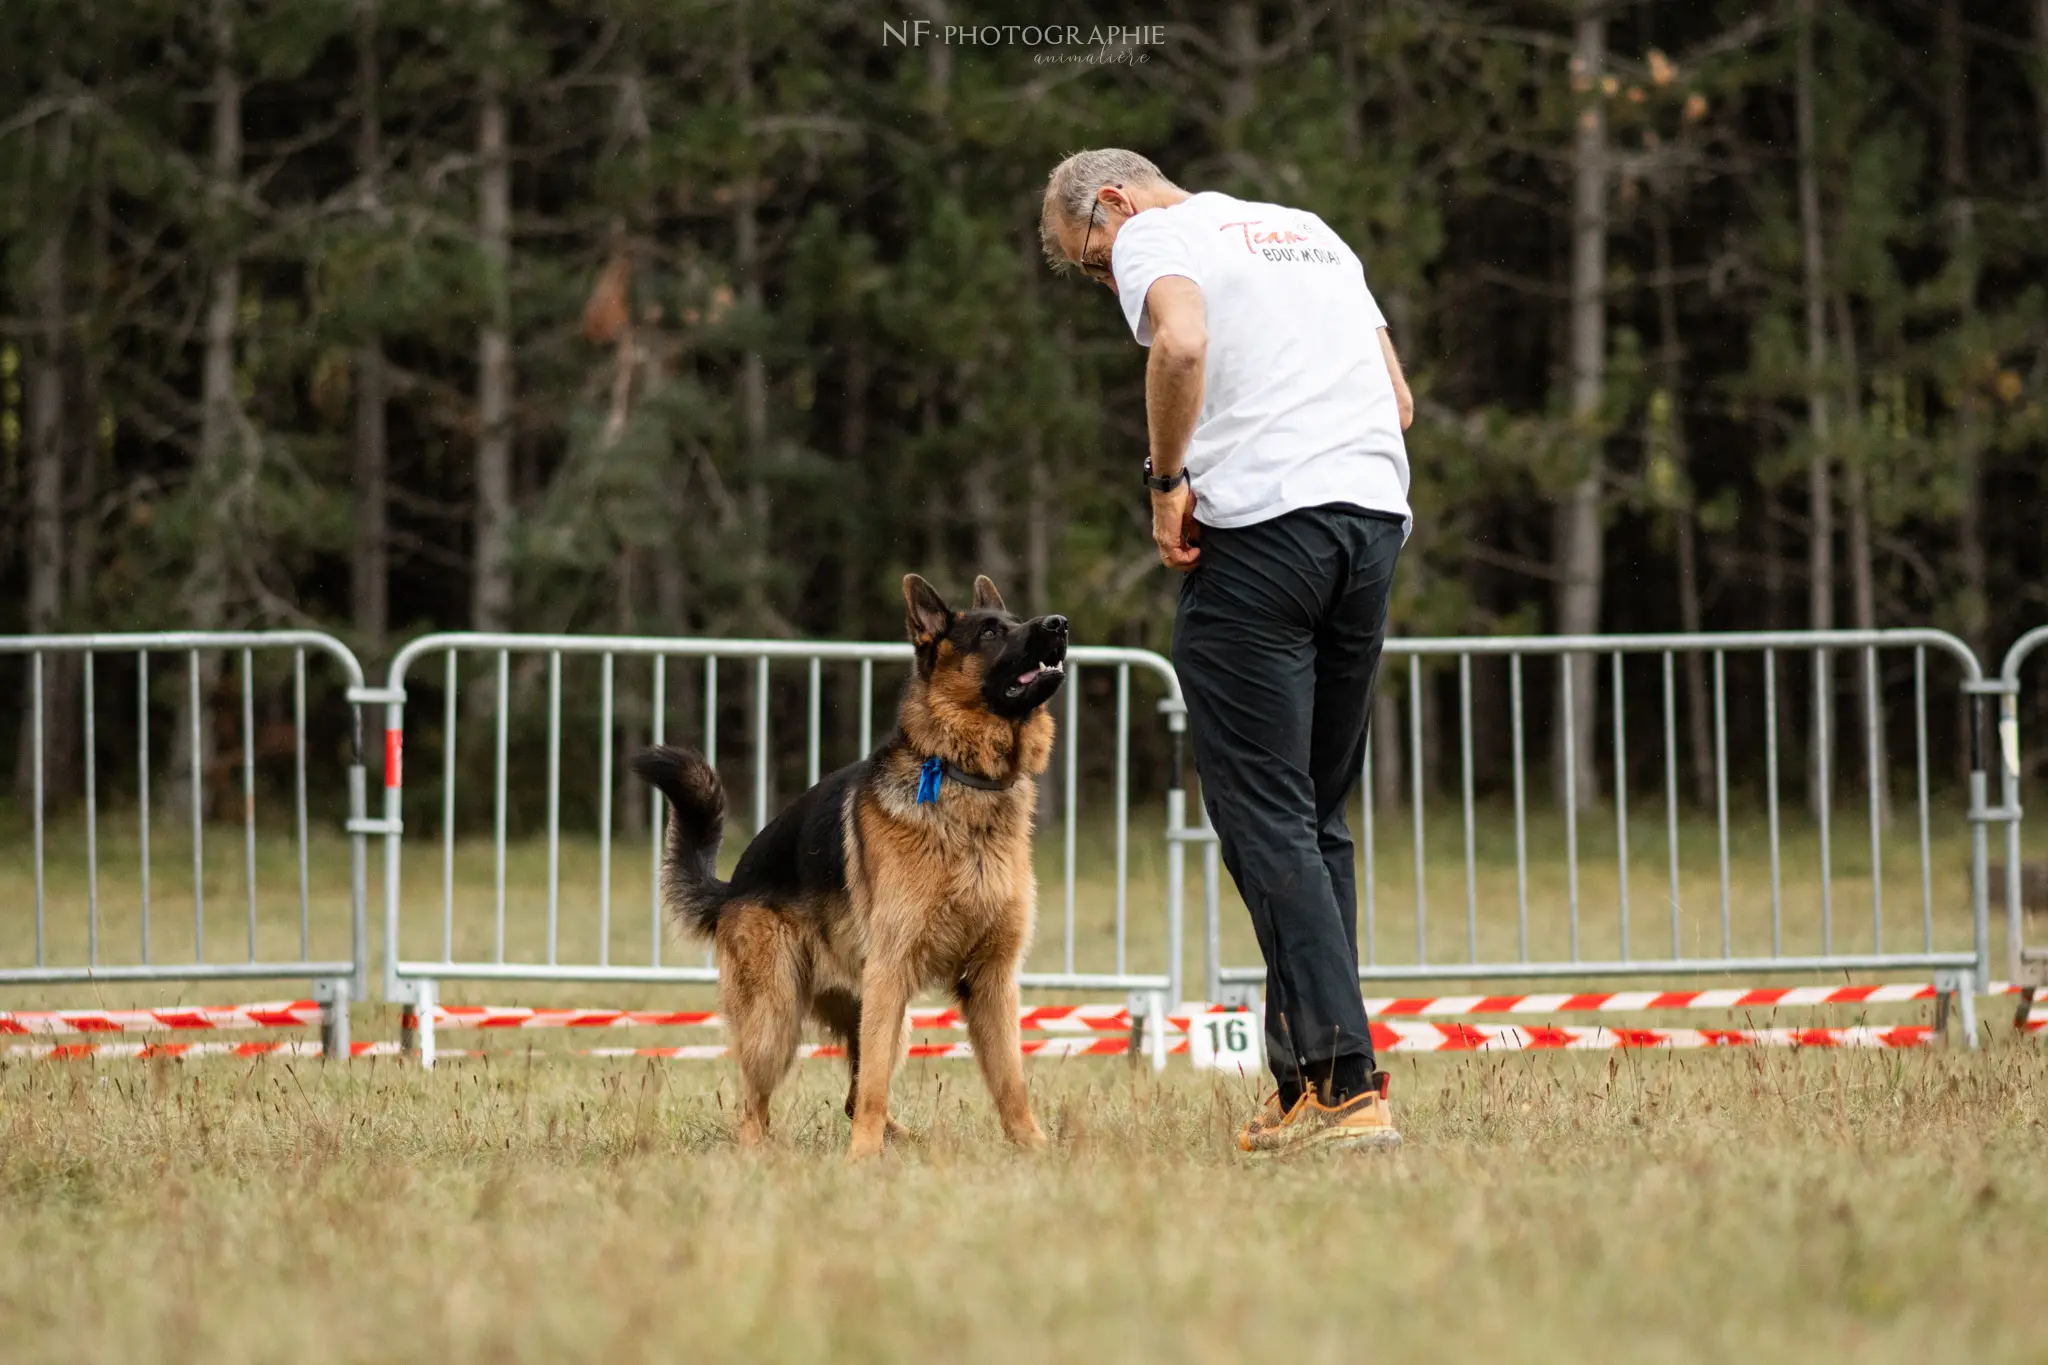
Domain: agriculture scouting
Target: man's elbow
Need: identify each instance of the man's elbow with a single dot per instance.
(1406, 401)
(1183, 346)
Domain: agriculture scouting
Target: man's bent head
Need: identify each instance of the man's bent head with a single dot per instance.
(1088, 199)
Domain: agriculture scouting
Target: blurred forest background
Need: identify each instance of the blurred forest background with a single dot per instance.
(712, 317)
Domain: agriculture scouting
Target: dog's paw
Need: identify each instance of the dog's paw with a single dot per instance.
(1030, 1136)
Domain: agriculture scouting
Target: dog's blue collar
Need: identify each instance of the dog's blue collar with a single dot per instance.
(936, 768)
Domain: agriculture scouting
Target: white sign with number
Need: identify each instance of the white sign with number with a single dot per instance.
(1226, 1042)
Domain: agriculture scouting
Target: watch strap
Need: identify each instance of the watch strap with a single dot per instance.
(1159, 485)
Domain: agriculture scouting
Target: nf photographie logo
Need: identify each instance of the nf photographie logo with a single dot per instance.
(1058, 42)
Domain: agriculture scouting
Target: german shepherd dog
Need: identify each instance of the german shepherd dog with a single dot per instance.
(908, 870)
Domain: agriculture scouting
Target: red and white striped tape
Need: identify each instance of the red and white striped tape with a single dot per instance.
(280, 1014)
(1771, 997)
(1079, 1019)
(1387, 1038)
(301, 1047)
(1037, 1018)
(520, 1016)
(1117, 1019)
(1032, 1047)
(1416, 1037)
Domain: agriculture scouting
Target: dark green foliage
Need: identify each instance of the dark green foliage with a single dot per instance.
(711, 190)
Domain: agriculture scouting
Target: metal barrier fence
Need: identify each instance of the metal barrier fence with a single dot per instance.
(501, 941)
(267, 930)
(1802, 934)
(2027, 967)
(1793, 926)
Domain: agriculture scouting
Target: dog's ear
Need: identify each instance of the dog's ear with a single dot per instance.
(929, 614)
(985, 594)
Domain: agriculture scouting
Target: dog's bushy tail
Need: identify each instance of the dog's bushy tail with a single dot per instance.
(690, 887)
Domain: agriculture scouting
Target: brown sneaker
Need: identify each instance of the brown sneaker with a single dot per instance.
(1363, 1121)
(1269, 1117)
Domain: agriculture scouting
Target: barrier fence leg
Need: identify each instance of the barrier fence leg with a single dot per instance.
(1156, 1035)
(358, 870)
(1981, 815)
(1955, 993)
(1176, 888)
(1243, 995)
(1176, 714)
(416, 1025)
(1150, 1031)
(333, 994)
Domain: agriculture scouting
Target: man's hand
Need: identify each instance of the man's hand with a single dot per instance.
(1174, 529)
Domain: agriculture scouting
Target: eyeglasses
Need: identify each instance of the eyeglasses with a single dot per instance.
(1095, 270)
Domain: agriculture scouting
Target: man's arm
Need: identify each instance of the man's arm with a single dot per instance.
(1173, 405)
(1173, 371)
(1402, 398)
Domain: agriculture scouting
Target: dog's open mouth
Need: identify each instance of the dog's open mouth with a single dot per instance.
(1050, 668)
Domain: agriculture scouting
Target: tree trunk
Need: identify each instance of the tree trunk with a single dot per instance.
(1240, 90)
(2041, 83)
(63, 699)
(1698, 723)
(220, 424)
(371, 573)
(1439, 740)
(746, 228)
(631, 725)
(1038, 532)
(1037, 597)
(857, 595)
(671, 584)
(1774, 561)
(45, 450)
(1862, 571)
(746, 232)
(1820, 614)
(938, 502)
(1389, 792)
(1578, 533)
(1975, 617)
(87, 441)
(985, 506)
(1684, 520)
(491, 587)
(369, 578)
(220, 415)
(45, 412)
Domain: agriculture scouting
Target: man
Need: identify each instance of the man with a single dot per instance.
(1279, 484)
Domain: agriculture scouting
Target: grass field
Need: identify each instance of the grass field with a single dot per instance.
(1756, 1207)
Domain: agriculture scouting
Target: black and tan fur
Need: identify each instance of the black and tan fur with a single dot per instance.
(856, 898)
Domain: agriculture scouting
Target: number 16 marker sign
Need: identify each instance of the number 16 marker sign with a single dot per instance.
(1225, 1042)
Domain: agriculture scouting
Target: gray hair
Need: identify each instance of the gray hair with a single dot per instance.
(1070, 191)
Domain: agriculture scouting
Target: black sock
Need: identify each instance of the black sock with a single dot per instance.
(1349, 1077)
(1290, 1092)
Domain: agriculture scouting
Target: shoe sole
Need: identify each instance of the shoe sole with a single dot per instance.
(1372, 1140)
(1332, 1140)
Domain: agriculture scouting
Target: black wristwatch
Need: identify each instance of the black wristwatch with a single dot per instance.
(1159, 485)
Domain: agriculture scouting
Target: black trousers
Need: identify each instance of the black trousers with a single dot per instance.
(1277, 643)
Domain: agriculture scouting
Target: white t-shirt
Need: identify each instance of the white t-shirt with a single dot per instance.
(1298, 408)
